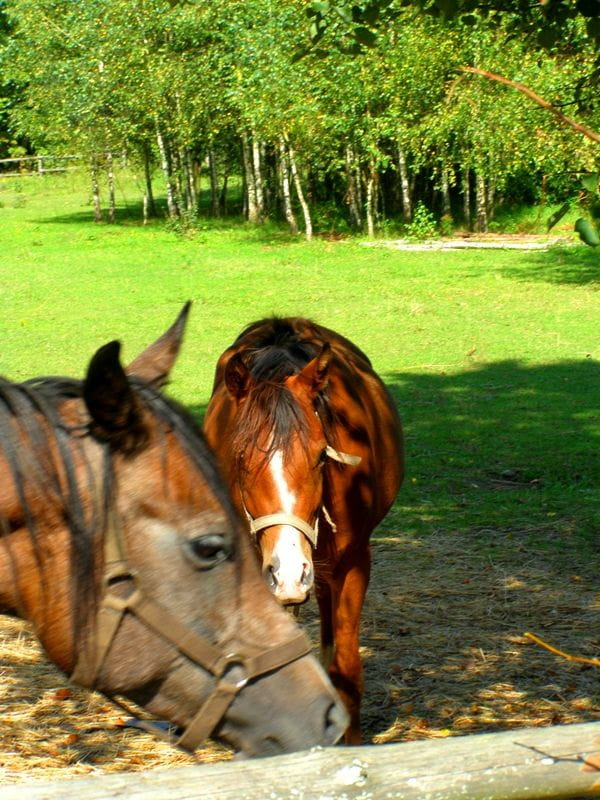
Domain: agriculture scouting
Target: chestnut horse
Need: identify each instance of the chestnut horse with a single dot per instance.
(119, 543)
(311, 445)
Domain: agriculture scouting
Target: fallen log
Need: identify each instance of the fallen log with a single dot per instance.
(559, 761)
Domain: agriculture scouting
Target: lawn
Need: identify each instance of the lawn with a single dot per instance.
(493, 360)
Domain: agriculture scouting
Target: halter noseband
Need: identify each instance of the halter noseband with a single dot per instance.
(258, 524)
(195, 647)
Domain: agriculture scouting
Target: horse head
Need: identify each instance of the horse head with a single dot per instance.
(281, 447)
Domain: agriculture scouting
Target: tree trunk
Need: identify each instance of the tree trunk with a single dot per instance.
(405, 192)
(165, 163)
(149, 204)
(480, 202)
(250, 194)
(446, 205)
(215, 208)
(223, 196)
(285, 187)
(95, 190)
(466, 193)
(491, 199)
(258, 182)
(352, 191)
(191, 199)
(371, 200)
(111, 187)
(300, 193)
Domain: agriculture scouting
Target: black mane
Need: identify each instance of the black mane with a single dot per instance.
(273, 350)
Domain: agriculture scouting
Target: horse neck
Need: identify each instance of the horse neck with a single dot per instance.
(35, 585)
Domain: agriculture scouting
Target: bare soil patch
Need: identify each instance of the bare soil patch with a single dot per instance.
(443, 649)
(481, 241)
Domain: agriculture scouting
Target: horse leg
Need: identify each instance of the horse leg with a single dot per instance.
(346, 670)
(324, 600)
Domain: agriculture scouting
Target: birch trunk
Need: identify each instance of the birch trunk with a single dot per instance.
(300, 193)
(177, 172)
(446, 205)
(491, 199)
(95, 190)
(214, 184)
(258, 182)
(466, 193)
(149, 204)
(223, 196)
(250, 194)
(352, 192)
(191, 199)
(371, 200)
(111, 187)
(285, 187)
(480, 202)
(405, 192)
(165, 164)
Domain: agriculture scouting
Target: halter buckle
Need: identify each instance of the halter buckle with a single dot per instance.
(234, 660)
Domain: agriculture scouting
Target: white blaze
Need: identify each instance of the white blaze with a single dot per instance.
(287, 549)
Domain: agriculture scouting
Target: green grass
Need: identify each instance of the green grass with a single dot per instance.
(492, 356)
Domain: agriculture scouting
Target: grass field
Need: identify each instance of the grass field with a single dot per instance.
(493, 358)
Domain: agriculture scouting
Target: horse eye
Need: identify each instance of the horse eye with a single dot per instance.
(322, 457)
(209, 550)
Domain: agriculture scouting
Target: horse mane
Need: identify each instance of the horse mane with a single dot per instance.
(273, 349)
(39, 448)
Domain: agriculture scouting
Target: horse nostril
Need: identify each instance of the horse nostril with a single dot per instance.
(336, 722)
(307, 575)
(270, 577)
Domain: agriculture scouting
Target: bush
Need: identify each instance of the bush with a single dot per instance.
(423, 225)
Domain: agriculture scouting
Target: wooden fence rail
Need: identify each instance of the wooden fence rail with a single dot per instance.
(34, 165)
(561, 761)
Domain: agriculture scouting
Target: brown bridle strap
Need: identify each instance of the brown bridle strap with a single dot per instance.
(200, 651)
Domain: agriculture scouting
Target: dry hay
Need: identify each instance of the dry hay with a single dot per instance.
(442, 644)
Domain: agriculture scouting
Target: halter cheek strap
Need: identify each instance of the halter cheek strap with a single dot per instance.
(343, 458)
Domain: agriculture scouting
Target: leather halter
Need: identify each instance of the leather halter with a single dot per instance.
(199, 650)
(258, 524)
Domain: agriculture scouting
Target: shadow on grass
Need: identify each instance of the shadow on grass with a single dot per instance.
(574, 266)
(504, 445)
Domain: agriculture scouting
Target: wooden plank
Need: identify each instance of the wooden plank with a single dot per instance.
(560, 761)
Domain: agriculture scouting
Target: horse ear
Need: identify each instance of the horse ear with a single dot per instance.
(315, 374)
(237, 377)
(155, 363)
(117, 416)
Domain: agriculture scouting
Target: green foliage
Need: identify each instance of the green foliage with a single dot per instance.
(169, 83)
(587, 232)
(423, 225)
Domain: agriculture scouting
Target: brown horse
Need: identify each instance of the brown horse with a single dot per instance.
(311, 446)
(119, 543)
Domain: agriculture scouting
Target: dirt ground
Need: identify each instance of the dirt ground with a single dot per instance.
(443, 649)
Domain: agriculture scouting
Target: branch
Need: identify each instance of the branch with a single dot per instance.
(590, 134)
(579, 659)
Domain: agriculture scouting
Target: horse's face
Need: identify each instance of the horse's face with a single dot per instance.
(175, 589)
(191, 559)
(285, 478)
